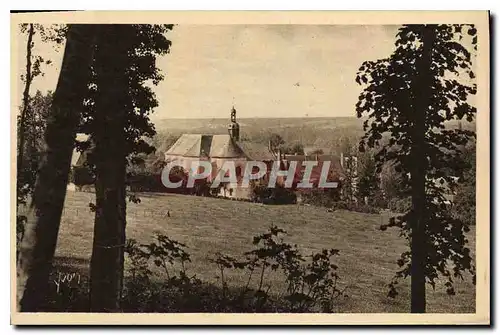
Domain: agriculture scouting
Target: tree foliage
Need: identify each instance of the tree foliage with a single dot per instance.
(294, 149)
(276, 141)
(34, 128)
(369, 180)
(33, 113)
(350, 170)
(409, 96)
(465, 199)
(144, 44)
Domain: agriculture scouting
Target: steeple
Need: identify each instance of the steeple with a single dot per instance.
(234, 128)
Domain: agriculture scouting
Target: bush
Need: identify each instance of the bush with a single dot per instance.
(145, 182)
(311, 282)
(81, 176)
(320, 197)
(278, 195)
(464, 207)
(310, 286)
(151, 182)
(400, 205)
(378, 201)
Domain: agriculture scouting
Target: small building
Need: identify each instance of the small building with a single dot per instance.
(333, 175)
(217, 149)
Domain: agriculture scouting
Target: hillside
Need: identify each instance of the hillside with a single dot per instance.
(366, 262)
(325, 133)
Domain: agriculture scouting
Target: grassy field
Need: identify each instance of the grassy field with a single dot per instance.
(366, 262)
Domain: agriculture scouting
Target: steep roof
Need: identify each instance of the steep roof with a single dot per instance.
(224, 147)
(335, 164)
(256, 151)
(191, 145)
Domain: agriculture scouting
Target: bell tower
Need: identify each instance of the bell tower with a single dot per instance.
(234, 128)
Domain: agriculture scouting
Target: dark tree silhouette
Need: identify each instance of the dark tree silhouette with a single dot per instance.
(409, 96)
(350, 170)
(119, 103)
(369, 180)
(34, 128)
(28, 79)
(42, 226)
(293, 148)
(276, 141)
(50, 33)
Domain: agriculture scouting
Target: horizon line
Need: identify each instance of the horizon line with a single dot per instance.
(256, 117)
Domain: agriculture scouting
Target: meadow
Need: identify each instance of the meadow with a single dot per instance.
(367, 259)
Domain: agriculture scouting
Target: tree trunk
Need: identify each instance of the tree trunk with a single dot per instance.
(106, 267)
(423, 89)
(26, 97)
(39, 243)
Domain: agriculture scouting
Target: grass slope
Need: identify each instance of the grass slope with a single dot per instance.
(207, 225)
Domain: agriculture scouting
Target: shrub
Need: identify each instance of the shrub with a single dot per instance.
(400, 205)
(378, 201)
(278, 195)
(320, 197)
(145, 182)
(464, 207)
(309, 285)
(168, 255)
(81, 176)
(311, 282)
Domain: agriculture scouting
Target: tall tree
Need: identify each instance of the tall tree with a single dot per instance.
(409, 96)
(32, 116)
(293, 148)
(276, 141)
(391, 183)
(28, 79)
(34, 62)
(350, 170)
(27, 169)
(117, 118)
(43, 220)
(109, 158)
(369, 180)
(34, 128)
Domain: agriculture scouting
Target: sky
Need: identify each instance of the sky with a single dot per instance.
(264, 70)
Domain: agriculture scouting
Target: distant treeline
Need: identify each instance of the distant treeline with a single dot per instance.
(328, 134)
